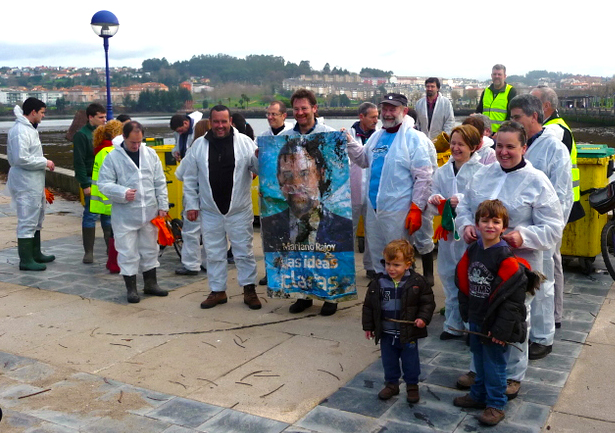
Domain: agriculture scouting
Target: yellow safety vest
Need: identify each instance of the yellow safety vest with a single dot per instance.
(98, 202)
(576, 182)
(496, 107)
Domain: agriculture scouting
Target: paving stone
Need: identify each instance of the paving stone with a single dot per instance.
(567, 334)
(326, 420)
(31, 372)
(184, 412)
(555, 362)
(584, 297)
(453, 360)
(70, 420)
(525, 413)
(546, 376)
(179, 429)
(577, 326)
(9, 362)
(581, 305)
(566, 348)
(364, 402)
(448, 346)
(230, 421)
(539, 393)
(398, 427)
(9, 396)
(445, 376)
(441, 415)
(471, 424)
(128, 423)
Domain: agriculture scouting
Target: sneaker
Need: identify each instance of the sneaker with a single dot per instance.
(448, 336)
(465, 381)
(491, 416)
(468, 402)
(328, 309)
(184, 271)
(263, 281)
(214, 299)
(300, 305)
(413, 393)
(539, 351)
(512, 388)
(389, 391)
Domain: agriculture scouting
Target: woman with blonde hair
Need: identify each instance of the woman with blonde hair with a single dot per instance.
(102, 138)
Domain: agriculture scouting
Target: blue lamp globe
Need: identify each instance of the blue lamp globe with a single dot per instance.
(105, 24)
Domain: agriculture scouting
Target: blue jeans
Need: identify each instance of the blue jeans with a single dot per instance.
(490, 362)
(89, 218)
(392, 350)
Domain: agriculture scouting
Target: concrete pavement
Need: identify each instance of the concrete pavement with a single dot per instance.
(165, 365)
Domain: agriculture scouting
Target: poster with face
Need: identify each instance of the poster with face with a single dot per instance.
(306, 216)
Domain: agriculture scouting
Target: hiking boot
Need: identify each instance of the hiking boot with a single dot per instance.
(328, 309)
(448, 336)
(491, 416)
(150, 286)
(512, 388)
(539, 351)
(37, 255)
(468, 402)
(250, 298)
(263, 281)
(183, 271)
(300, 305)
(389, 390)
(214, 299)
(465, 381)
(412, 392)
(89, 236)
(25, 249)
(132, 295)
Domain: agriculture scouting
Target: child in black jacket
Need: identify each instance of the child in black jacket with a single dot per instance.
(398, 306)
(492, 285)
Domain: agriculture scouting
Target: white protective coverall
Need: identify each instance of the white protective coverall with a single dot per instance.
(423, 237)
(533, 209)
(136, 238)
(359, 205)
(447, 185)
(195, 116)
(26, 181)
(549, 155)
(442, 119)
(193, 252)
(237, 223)
(486, 152)
(406, 178)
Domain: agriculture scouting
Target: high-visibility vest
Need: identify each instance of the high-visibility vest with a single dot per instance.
(496, 107)
(576, 182)
(98, 202)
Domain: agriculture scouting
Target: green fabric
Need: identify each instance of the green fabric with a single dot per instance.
(448, 218)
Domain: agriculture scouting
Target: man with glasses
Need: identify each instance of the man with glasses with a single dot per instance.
(276, 116)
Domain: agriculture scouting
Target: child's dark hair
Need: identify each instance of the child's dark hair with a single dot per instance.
(399, 246)
(492, 209)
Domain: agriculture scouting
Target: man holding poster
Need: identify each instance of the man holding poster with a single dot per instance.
(306, 224)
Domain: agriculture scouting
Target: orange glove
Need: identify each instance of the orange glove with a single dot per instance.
(413, 219)
(49, 196)
(165, 237)
(440, 233)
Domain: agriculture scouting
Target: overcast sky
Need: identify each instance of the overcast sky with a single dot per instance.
(449, 39)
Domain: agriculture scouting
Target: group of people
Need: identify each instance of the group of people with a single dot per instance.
(510, 186)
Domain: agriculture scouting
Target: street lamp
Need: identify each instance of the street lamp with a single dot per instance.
(106, 25)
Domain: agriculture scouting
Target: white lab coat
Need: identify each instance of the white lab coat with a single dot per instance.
(447, 185)
(319, 127)
(26, 180)
(534, 210)
(216, 227)
(136, 238)
(549, 155)
(406, 178)
(442, 119)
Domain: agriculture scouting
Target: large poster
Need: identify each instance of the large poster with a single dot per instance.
(306, 216)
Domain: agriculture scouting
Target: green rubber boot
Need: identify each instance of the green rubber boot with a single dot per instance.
(38, 256)
(25, 246)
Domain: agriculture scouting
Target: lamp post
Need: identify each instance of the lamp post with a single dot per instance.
(106, 25)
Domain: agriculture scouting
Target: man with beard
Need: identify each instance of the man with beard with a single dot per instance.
(399, 175)
(434, 111)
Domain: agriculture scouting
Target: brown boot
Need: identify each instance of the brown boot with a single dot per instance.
(465, 381)
(512, 388)
(468, 402)
(214, 299)
(250, 298)
(413, 393)
(491, 416)
(389, 391)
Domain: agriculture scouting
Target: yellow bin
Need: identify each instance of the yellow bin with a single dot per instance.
(582, 237)
(174, 186)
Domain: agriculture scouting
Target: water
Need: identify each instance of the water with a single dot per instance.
(59, 150)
